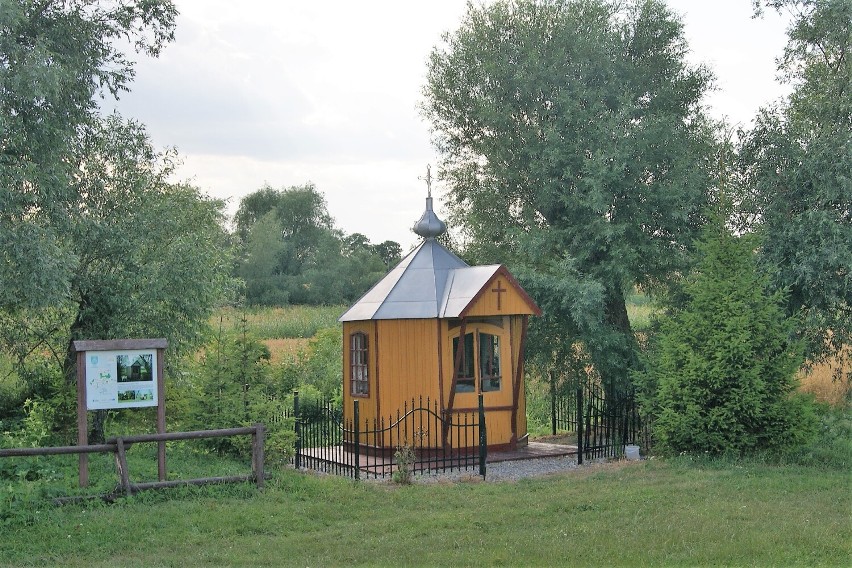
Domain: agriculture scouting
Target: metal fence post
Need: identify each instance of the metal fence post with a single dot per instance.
(297, 428)
(579, 425)
(483, 438)
(552, 404)
(357, 440)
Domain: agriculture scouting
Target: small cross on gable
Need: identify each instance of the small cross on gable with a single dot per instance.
(499, 291)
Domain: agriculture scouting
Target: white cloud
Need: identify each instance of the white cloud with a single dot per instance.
(285, 92)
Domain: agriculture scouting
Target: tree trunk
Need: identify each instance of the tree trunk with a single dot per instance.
(81, 329)
(621, 353)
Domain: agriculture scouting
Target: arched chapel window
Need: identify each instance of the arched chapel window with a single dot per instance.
(359, 379)
(478, 361)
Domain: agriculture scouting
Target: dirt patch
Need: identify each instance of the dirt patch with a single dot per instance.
(561, 439)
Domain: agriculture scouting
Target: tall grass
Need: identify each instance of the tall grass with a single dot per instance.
(640, 310)
(824, 383)
(277, 323)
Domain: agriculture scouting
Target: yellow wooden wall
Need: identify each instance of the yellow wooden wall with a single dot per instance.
(518, 332)
(403, 365)
(367, 404)
(498, 404)
(510, 302)
(408, 362)
(413, 358)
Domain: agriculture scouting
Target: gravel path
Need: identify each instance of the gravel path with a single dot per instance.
(505, 470)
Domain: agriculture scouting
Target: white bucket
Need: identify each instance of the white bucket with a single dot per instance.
(631, 452)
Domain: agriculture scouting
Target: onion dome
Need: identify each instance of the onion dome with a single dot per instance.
(429, 226)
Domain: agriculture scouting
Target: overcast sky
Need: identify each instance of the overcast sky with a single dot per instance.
(284, 92)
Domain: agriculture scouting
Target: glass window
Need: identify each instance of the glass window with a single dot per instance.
(489, 361)
(466, 381)
(360, 383)
(479, 361)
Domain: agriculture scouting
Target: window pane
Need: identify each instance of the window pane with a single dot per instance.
(465, 379)
(489, 361)
(359, 380)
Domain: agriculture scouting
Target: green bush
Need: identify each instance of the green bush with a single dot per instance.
(320, 366)
(830, 447)
(721, 373)
(231, 386)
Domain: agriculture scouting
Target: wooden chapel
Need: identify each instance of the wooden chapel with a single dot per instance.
(436, 327)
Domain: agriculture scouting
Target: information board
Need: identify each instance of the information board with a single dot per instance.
(121, 379)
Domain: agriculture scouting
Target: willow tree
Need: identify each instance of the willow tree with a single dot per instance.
(797, 171)
(56, 56)
(575, 149)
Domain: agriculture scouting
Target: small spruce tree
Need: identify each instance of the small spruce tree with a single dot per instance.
(721, 374)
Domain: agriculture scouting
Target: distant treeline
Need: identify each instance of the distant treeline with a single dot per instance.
(288, 251)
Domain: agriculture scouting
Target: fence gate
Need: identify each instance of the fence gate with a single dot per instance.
(437, 441)
(604, 419)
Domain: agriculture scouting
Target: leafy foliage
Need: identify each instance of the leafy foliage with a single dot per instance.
(96, 242)
(576, 151)
(319, 366)
(796, 168)
(722, 372)
(291, 252)
(153, 255)
(54, 57)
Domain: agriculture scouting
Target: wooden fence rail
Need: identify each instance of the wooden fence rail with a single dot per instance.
(120, 444)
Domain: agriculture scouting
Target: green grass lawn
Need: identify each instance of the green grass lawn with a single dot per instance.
(675, 513)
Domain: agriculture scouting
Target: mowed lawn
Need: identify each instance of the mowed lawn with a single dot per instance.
(648, 513)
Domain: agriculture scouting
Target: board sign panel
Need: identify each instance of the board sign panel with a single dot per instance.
(121, 379)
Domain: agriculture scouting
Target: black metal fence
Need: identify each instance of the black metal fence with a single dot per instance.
(605, 420)
(426, 439)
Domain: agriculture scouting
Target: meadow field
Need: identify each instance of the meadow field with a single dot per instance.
(288, 330)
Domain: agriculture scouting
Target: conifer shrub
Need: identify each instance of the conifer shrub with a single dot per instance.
(231, 385)
(721, 372)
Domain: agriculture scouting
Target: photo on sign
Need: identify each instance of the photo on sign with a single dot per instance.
(135, 395)
(134, 368)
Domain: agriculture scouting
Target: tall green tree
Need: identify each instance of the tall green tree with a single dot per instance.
(575, 149)
(722, 369)
(55, 57)
(796, 166)
(260, 268)
(153, 255)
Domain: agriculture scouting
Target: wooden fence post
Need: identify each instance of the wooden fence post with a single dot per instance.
(258, 439)
(82, 421)
(121, 466)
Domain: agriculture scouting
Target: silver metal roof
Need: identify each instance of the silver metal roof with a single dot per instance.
(430, 282)
(417, 288)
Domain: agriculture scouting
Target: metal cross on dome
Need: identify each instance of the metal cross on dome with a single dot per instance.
(428, 180)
